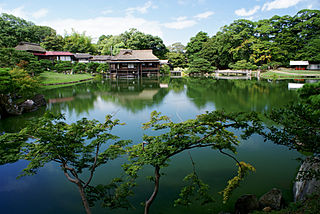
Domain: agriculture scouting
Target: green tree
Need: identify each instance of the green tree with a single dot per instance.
(76, 147)
(297, 125)
(207, 130)
(22, 83)
(63, 66)
(103, 68)
(53, 42)
(165, 69)
(177, 47)
(177, 59)
(5, 80)
(79, 67)
(78, 43)
(92, 67)
(200, 65)
(243, 65)
(196, 43)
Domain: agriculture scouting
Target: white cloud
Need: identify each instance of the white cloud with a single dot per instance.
(181, 18)
(40, 13)
(180, 24)
(280, 4)
(143, 9)
(106, 12)
(310, 6)
(244, 12)
(95, 27)
(19, 12)
(22, 13)
(204, 15)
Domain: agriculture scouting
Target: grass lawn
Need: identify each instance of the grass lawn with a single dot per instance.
(289, 74)
(303, 72)
(53, 77)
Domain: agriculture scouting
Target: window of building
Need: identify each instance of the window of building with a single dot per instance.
(130, 65)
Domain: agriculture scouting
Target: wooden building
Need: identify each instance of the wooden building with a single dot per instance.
(56, 55)
(101, 59)
(83, 57)
(299, 65)
(135, 63)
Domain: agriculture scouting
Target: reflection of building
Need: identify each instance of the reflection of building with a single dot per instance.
(134, 63)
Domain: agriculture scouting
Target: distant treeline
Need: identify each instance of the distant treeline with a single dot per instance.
(242, 44)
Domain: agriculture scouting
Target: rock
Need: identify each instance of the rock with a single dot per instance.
(7, 106)
(303, 188)
(267, 209)
(246, 204)
(272, 199)
(34, 104)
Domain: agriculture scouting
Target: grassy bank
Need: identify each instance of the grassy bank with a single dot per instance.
(59, 78)
(290, 74)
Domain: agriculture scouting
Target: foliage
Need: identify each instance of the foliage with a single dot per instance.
(9, 57)
(196, 44)
(5, 80)
(207, 130)
(92, 67)
(79, 67)
(243, 65)
(10, 147)
(177, 59)
(200, 65)
(22, 83)
(75, 147)
(78, 43)
(15, 30)
(53, 42)
(278, 39)
(165, 69)
(103, 68)
(177, 47)
(132, 39)
(297, 125)
(63, 66)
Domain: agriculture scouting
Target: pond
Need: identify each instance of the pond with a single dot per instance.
(132, 101)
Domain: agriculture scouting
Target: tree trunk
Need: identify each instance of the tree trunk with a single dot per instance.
(84, 199)
(155, 191)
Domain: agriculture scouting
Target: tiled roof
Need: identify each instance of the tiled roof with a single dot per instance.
(54, 53)
(101, 58)
(26, 46)
(135, 55)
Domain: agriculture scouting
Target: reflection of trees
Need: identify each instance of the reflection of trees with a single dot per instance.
(135, 95)
(131, 94)
(16, 123)
(239, 95)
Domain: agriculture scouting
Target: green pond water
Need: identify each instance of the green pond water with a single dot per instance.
(132, 101)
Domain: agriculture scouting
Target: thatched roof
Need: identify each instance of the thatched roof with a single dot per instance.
(31, 47)
(139, 55)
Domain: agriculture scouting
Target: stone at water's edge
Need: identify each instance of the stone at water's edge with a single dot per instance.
(303, 188)
(272, 199)
(246, 204)
(7, 107)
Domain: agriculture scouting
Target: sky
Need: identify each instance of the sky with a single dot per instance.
(172, 20)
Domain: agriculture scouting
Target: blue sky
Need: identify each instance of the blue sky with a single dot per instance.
(172, 20)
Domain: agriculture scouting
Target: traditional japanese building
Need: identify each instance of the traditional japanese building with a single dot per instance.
(56, 55)
(134, 63)
(299, 65)
(30, 47)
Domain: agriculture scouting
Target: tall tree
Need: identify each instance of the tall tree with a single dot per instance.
(207, 130)
(83, 145)
(78, 43)
(196, 43)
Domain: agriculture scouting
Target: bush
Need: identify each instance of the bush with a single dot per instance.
(79, 67)
(63, 66)
(103, 67)
(165, 69)
(243, 65)
(5, 80)
(22, 83)
(92, 67)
